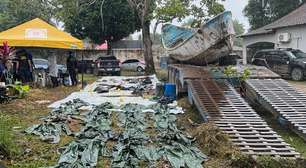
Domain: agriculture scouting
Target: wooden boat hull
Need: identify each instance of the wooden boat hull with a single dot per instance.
(209, 43)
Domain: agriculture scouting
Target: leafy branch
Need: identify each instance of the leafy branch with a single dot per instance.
(232, 73)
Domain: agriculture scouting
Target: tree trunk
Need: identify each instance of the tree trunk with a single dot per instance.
(109, 47)
(148, 54)
(155, 29)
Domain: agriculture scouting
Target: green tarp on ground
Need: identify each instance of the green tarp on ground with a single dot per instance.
(134, 146)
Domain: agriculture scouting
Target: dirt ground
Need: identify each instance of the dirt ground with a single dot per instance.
(29, 151)
(299, 85)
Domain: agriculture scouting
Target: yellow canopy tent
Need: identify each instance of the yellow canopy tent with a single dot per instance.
(38, 33)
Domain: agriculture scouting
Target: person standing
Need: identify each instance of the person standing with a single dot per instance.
(24, 66)
(72, 68)
(53, 69)
(2, 69)
(32, 66)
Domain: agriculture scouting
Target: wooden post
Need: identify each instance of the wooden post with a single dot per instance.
(83, 69)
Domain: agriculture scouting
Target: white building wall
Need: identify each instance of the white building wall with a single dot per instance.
(298, 39)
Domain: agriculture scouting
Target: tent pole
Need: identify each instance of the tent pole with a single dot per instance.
(83, 69)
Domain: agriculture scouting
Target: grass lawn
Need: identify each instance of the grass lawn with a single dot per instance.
(28, 151)
(89, 78)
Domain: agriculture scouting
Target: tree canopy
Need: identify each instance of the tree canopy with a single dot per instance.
(199, 10)
(239, 30)
(263, 12)
(85, 20)
(14, 12)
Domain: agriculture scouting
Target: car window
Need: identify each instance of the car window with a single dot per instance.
(108, 58)
(259, 55)
(135, 61)
(126, 62)
(298, 54)
(284, 55)
(259, 59)
(290, 54)
(130, 61)
(40, 62)
(275, 55)
(269, 55)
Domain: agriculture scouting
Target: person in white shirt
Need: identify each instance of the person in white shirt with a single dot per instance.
(53, 69)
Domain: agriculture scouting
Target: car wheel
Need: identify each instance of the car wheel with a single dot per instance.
(140, 69)
(297, 74)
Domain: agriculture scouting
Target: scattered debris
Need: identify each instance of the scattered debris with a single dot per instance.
(128, 152)
(118, 90)
(3, 95)
(57, 122)
(126, 83)
(96, 99)
(177, 147)
(213, 141)
(91, 140)
(48, 131)
(135, 145)
(80, 154)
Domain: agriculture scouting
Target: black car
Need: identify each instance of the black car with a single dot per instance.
(107, 65)
(288, 63)
(86, 66)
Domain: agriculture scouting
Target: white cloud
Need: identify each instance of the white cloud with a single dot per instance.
(236, 7)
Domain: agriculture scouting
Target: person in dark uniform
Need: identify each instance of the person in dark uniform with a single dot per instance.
(72, 68)
(24, 66)
(32, 66)
(2, 69)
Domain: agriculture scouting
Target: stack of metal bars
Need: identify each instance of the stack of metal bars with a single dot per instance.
(282, 100)
(220, 103)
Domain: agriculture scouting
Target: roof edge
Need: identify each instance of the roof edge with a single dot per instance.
(269, 28)
(256, 34)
